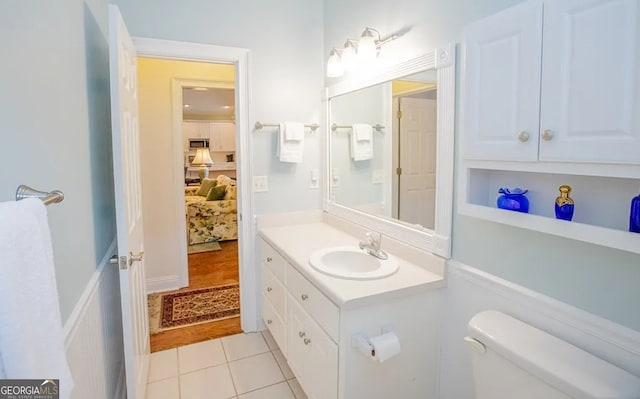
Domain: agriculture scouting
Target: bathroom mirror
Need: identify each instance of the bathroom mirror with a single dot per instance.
(397, 176)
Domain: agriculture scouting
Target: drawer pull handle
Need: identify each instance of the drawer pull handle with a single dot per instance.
(269, 289)
(301, 334)
(307, 341)
(269, 321)
(269, 259)
(304, 297)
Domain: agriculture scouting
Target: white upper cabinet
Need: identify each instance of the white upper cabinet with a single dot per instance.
(554, 81)
(590, 108)
(501, 58)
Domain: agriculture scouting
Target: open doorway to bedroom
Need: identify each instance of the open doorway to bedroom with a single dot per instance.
(187, 112)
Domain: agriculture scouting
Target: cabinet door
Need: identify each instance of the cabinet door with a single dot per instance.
(323, 364)
(591, 81)
(227, 133)
(501, 89)
(214, 136)
(296, 349)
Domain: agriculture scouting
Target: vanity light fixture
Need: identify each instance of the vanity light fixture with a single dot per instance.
(364, 51)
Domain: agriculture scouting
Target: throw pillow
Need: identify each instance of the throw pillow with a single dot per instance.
(206, 186)
(231, 193)
(223, 180)
(216, 193)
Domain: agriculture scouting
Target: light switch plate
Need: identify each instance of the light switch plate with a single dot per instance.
(313, 178)
(378, 176)
(260, 184)
(335, 178)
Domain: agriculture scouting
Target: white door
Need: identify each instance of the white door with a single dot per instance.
(591, 81)
(501, 58)
(417, 181)
(126, 170)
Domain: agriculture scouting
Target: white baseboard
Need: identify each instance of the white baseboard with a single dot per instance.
(162, 284)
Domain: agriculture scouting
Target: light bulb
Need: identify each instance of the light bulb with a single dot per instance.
(349, 56)
(367, 50)
(334, 65)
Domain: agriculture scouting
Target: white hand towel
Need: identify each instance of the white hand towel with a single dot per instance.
(361, 142)
(291, 142)
(31, 334)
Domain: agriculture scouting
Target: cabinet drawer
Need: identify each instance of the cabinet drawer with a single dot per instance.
(274, 323)
(270, 257)
(319, 307)
(273, 290)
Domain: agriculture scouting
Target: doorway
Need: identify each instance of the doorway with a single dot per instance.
(414, 155)
(197, 297)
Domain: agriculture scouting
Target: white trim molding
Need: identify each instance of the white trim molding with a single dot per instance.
(240, 57)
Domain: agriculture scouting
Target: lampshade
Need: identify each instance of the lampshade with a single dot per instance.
(367, 49)
(203, 157)
(349, 56)
(334, 65)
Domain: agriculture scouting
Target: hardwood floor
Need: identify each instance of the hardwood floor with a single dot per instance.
(206, 269)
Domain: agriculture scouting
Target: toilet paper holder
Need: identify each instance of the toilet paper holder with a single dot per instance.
(361, 342)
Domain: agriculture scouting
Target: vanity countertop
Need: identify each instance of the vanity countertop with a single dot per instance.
(296, 242)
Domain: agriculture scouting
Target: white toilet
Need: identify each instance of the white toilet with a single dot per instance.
(513, 360)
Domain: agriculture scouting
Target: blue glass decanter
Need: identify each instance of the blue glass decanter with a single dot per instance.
(513, 200)
(634, 215)
(564, 204)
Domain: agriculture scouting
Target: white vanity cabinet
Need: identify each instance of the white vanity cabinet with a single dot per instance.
(556, 80)
(318, 333)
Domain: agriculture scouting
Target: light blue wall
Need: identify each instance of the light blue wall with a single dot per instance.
(55, 126)
(597, 279)
(286, 81)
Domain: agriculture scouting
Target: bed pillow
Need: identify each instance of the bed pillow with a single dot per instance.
(206, 186)
(216, 193)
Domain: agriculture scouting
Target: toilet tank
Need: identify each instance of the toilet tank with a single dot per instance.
(513, 360)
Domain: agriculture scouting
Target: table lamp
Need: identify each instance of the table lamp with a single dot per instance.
(203, 158)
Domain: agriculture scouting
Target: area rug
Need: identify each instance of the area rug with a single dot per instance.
(205, 247)
(186, 308)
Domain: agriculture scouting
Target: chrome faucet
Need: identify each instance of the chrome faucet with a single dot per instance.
(372, 245)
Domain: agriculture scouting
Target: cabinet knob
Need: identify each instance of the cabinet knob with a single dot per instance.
(269, 321)
(269, 289)
(304, 297)
(301, 334)
(269, 259)
(547, 135)
(307, 341)
(523, 136)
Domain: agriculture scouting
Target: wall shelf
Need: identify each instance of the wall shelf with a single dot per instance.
(602, 204)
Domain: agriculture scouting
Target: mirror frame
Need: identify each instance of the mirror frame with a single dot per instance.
(438, 240)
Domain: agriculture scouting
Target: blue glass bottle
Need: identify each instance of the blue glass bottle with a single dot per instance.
(634, 215)
(564, 204)
(513, 200)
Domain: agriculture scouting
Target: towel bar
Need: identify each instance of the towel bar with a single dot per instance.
(377, 127)
(51, 197)
(259, 125)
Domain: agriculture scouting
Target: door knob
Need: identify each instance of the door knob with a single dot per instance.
(135, 258)
(304, 297)
(301, 334)
(523, 136)
(269, 289)
(547, 135)
(269, 259)
(269, 321)
(114, 260)
(307, 341)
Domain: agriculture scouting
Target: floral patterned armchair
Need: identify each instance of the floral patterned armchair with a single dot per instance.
(209, 221)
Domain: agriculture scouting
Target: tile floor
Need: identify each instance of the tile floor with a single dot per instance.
(241, 366)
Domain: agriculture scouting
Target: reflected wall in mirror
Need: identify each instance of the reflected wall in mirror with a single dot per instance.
(397, 179)
(394, 173)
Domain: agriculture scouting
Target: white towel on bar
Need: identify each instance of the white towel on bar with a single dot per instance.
(31, 335)
(361, 142)
(291, 142)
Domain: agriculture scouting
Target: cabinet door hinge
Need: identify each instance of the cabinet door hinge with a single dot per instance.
(399, 114)
(398, 171)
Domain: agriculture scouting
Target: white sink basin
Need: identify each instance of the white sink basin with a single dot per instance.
(352, 263)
